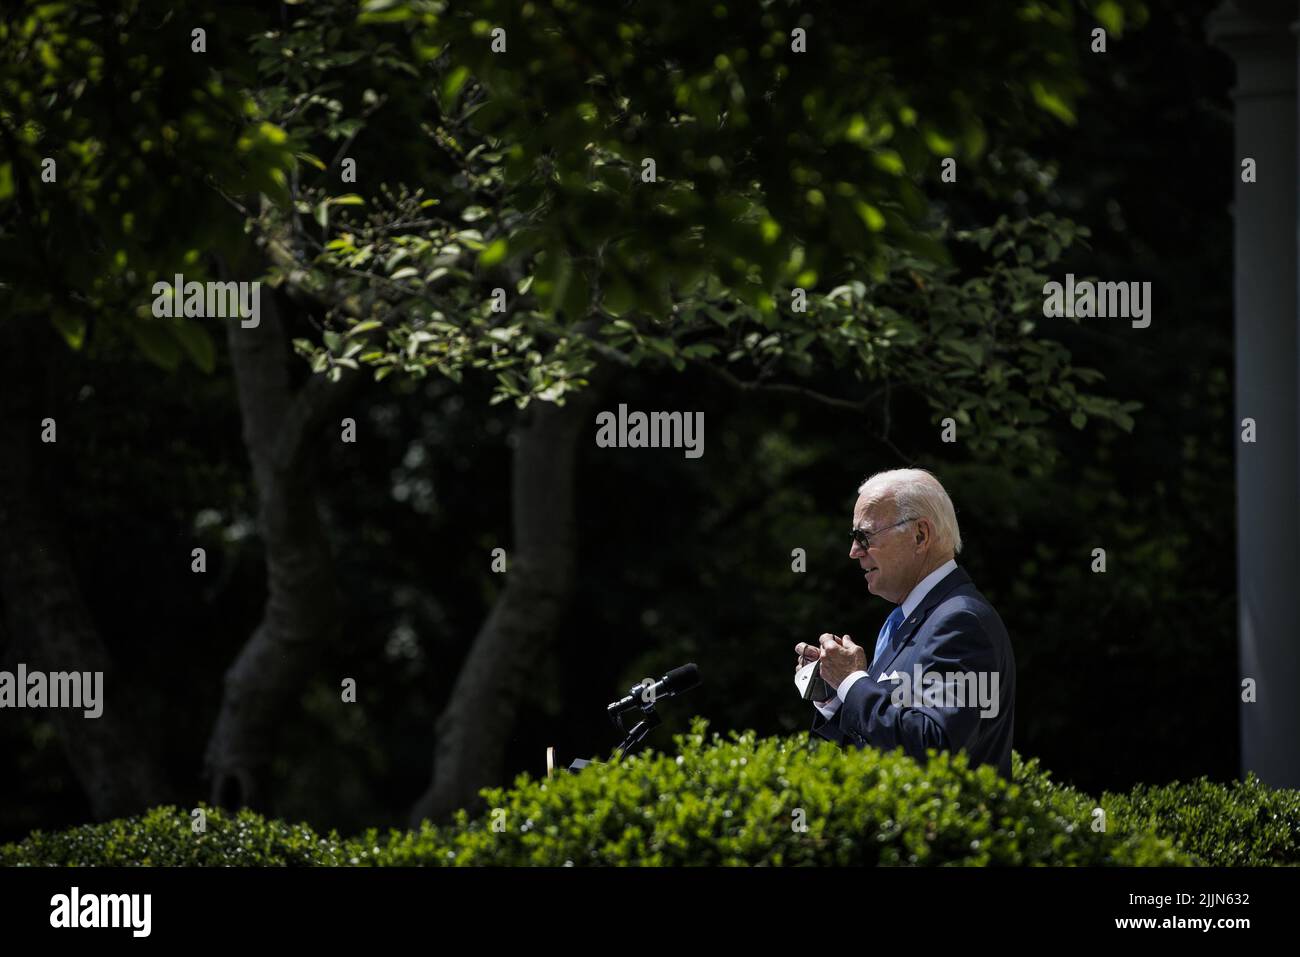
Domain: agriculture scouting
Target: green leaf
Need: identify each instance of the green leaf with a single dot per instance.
(272, 133)
(384, 11)
(71, 327)
(619, 297)
(156, 342)
(452, 85)
(889, 161)
(1052, 102)
(939, 144)
(701, 350)
(196, 342)
(1110, 15)
(662, 346)
(495, 253)
(870, 215)
(971, 350)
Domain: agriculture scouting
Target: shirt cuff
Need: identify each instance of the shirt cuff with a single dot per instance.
(843, 691)
(829, 709)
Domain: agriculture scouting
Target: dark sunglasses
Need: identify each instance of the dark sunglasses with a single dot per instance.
(863, 537)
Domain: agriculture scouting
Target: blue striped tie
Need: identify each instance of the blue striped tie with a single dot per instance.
(887, 632)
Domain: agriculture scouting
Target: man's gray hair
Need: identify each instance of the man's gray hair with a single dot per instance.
(917, 494)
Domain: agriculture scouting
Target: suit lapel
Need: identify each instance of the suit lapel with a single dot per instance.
(954, 579)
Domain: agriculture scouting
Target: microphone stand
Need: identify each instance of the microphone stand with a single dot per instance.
(649, 721)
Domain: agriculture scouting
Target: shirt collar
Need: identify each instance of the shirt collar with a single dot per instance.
(917, 594)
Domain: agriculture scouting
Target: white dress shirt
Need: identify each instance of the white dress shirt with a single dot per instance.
(910, 604)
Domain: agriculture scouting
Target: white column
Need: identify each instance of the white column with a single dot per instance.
(1260, 39)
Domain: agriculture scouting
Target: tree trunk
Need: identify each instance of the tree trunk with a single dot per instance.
(49, 626)
(281, 432)
(472, 730)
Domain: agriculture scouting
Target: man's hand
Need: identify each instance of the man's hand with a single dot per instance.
(806, 654)
(840, 657)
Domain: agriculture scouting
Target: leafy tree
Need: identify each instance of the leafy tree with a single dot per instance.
(795, 225)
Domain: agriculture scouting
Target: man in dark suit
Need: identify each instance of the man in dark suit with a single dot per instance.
(942, 674)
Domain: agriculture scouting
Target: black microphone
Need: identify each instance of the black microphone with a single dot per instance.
(674, 683)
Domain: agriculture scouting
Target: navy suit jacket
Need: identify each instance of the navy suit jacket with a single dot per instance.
(954, 629)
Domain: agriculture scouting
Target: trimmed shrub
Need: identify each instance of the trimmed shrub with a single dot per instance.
(1241, 824)
(163, 838)
(744, 800)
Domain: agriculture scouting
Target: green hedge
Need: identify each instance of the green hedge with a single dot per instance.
(745, 800)
(1243, 823)
(164, 837)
